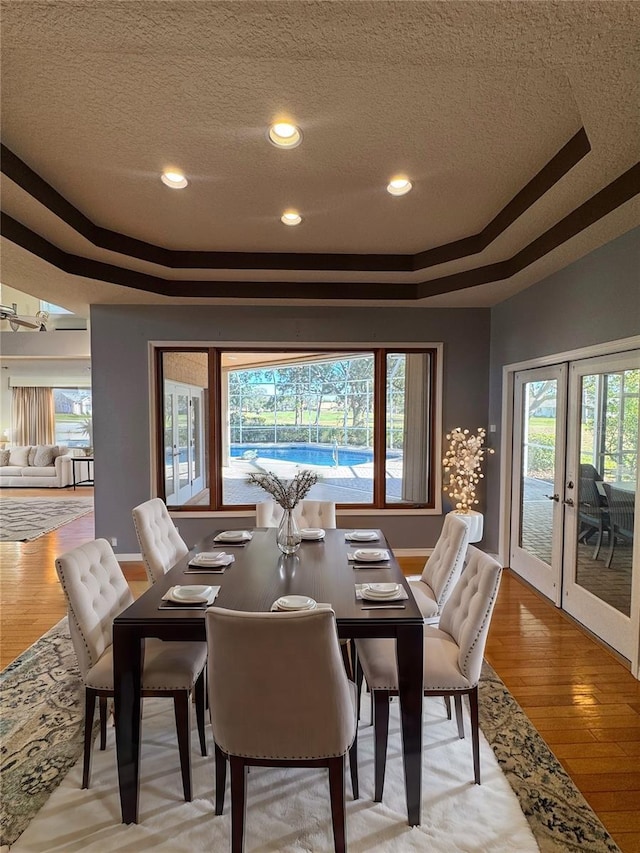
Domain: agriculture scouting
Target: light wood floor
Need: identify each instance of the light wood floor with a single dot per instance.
(580, 698)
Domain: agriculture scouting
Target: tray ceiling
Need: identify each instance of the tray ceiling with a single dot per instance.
(517, 124)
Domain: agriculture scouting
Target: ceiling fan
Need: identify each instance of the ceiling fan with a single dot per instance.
(10, 313)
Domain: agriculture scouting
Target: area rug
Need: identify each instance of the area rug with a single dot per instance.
(28, 518)
(41, 741)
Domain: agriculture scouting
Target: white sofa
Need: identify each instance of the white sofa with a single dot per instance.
(36, 466)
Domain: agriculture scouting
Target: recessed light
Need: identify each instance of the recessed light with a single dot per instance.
(399, 186)
(173, 179)
(291, 217)
(283, 134)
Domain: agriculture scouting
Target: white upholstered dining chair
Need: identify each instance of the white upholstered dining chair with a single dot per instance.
(307, 513)
(279, 696)
(160, 543)
(96, 592)
(453, 654)
(442, 569)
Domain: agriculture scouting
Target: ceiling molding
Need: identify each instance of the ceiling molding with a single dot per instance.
(560, 164)
(622, 189)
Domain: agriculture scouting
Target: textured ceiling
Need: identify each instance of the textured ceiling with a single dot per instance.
(475, 101)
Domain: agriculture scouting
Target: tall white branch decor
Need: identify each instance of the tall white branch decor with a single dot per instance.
(287, 493)
(462, 463)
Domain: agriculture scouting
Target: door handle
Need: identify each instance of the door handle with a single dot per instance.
(553, 497)
(568, 502)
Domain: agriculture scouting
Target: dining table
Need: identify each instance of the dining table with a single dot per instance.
(323, 569)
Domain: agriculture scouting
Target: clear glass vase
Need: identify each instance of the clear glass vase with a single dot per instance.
(288, 536)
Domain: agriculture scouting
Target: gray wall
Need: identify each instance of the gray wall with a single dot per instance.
(119, 350)
(592, 301)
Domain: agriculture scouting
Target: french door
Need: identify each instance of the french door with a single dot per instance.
(183, 442)
(538, 487)
(574, 487)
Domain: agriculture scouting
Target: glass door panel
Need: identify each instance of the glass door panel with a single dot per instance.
(169, 475)
(183, 449)
(197, 441)
(603, 453)
(538, 477)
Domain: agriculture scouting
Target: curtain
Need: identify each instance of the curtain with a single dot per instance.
(416, 428)
(33, 416)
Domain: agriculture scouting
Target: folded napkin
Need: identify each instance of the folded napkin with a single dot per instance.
(351, 538)
(243, 536)
(312, 534)
(211, 558)
(399, 596)
(169, 603)
(351, 556)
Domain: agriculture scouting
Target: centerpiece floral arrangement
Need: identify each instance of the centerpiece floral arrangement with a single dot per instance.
(462, 462)
(288, 494)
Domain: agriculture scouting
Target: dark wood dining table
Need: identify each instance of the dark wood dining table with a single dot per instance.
(259, 575)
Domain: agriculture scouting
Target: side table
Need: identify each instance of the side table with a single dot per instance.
(88, 481)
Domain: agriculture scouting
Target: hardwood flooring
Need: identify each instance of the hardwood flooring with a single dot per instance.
(583, 702)
(30, 593)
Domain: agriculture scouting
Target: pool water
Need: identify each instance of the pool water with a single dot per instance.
(305, 454)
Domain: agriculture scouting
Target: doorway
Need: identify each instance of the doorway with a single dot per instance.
(573, 489)
(183, 442)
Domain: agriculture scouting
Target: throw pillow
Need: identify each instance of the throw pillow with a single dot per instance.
(32, 456)
(44, 455)
(4, 457)
(19, 456)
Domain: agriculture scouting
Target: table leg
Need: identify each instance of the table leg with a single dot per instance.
(410, 650)
(127, 669)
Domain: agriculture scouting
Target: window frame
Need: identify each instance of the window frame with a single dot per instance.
(379, 504)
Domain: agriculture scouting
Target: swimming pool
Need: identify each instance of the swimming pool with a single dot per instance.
(306, 454)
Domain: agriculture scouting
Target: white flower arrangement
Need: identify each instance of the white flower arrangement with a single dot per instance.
(287, 494)
(462, 463)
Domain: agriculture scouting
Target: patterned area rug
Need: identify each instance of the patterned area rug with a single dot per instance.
(41, 716)
(28, 518)
(559, 816)
(42, 712)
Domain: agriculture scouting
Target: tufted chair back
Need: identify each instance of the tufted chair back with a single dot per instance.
(160, 543)
(307, 514)
(268, 672)
(96, 592)
(444, 566)
(467, 612)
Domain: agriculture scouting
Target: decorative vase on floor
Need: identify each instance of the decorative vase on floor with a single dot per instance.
(288, 536)
(474, 521)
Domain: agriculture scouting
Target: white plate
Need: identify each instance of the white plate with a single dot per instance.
(366, 593)
(363, 535)
(370, 554)
(295, 602)
(195, 594)
(311, 533)
(234, 536)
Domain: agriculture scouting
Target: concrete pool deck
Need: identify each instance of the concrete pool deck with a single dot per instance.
(342, 484)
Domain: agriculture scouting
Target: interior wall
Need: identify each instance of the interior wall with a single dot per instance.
(593, 301)
(120, 337)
